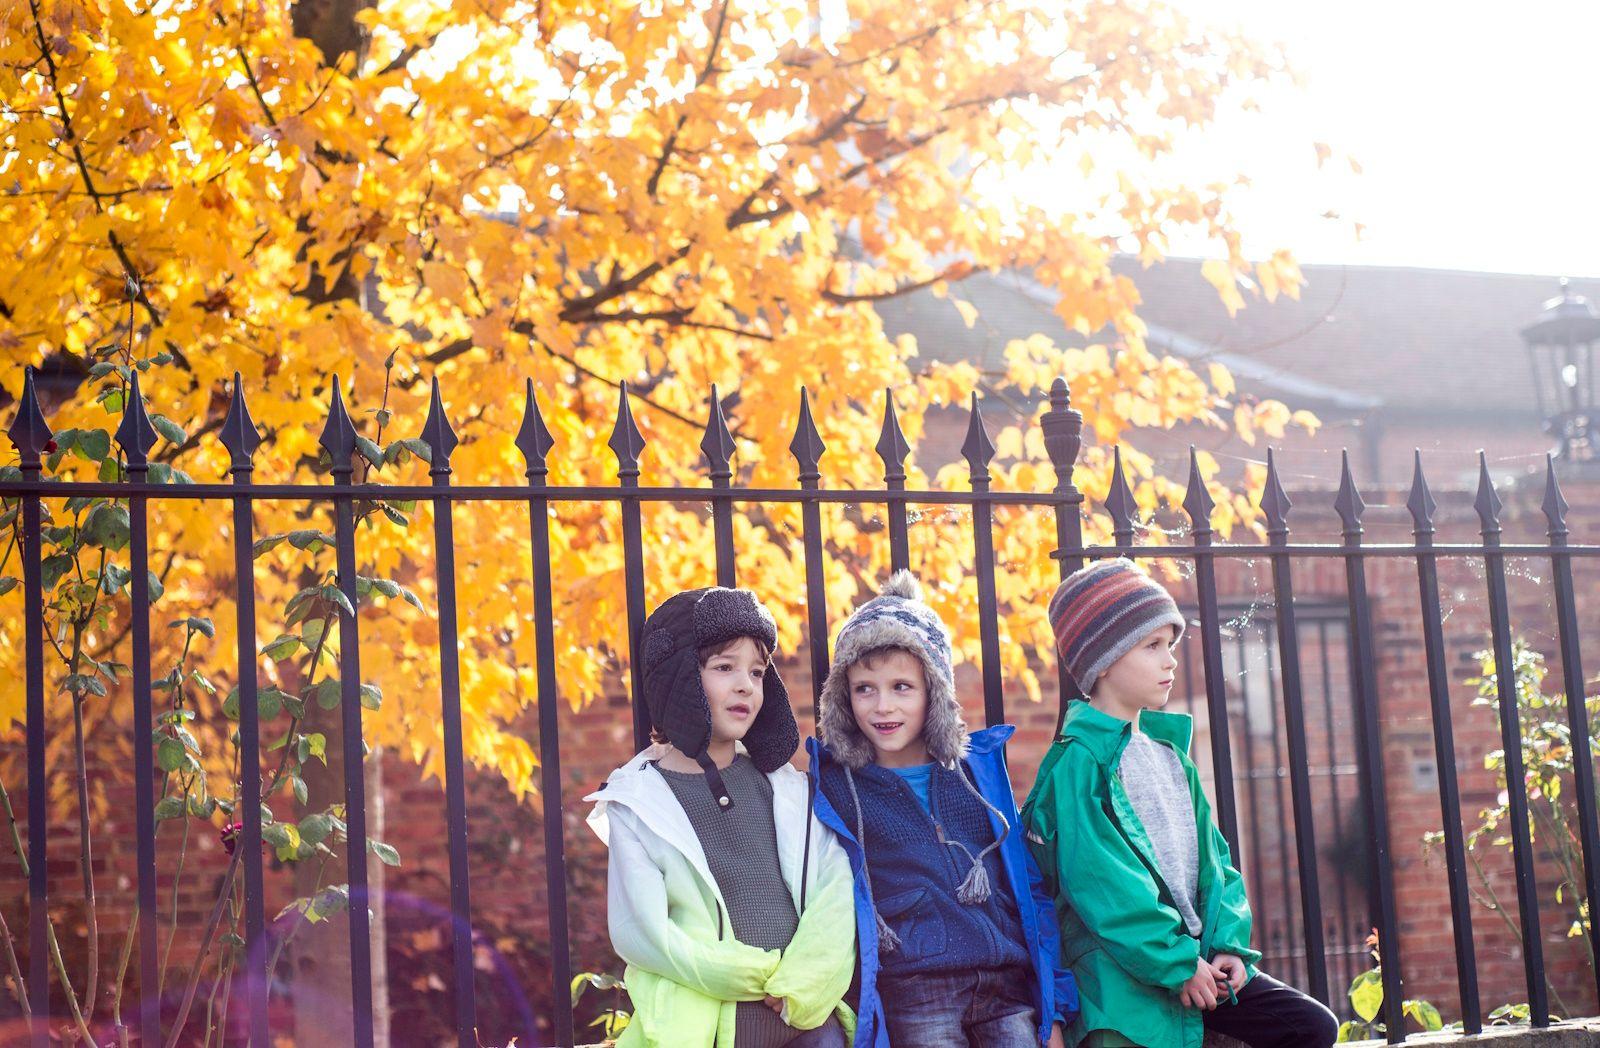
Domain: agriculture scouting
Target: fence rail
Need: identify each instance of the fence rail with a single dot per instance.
(1062, 429)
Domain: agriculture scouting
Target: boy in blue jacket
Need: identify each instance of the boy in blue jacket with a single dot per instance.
(958, 939)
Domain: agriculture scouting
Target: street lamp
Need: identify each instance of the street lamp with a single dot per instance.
(1561, 348)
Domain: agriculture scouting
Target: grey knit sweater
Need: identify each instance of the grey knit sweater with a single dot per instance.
(1153, 777)
(741, 846)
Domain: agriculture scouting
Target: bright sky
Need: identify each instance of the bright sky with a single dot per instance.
(1474, 125)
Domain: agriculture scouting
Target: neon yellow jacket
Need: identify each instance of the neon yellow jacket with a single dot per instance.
(1121, 934)
(685, 971)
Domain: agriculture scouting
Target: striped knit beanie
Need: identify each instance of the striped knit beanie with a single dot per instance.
(1100, 613)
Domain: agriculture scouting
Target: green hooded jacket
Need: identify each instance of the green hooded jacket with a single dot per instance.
(1121, 934)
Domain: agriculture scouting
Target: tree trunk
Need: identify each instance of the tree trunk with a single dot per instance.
(321, 961)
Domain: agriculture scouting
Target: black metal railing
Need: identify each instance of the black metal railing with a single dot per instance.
(1062, 427)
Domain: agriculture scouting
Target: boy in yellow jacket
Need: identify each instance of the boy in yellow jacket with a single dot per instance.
(726, 897)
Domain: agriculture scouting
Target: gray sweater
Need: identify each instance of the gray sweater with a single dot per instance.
(741, 846)
(1154, 780)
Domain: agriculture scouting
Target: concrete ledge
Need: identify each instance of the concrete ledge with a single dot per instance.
(1578, 1033)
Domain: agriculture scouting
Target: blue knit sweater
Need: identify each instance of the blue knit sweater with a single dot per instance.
(915, 877)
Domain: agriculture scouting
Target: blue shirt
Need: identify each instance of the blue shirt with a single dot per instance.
(917, 777)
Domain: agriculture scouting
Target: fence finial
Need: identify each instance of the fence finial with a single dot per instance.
(1554, 503)
(29, 432)
(1063, 434)
(1420, 501)
(717, 443)
(534, 439)
(626, 441)
(978, 449)
(892, 447)
(1275, 501)
(1487, 503)
(1197, 500)
(135, 434)
(239, 434)
(339, 433)
(1119, 501)
(1348, 503)
(438, 434)
(807, 446)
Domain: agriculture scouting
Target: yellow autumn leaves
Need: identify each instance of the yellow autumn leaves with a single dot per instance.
(674, 193)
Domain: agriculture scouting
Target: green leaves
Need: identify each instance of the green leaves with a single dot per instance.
(197, 625)
(369, 450)
(90, 445)
(269, 703)
(53, 567)
(1424, 1015)
(280, 649)
(397, 451)
(1366, 994)
(314, 829)
(309, 539)
(284, 839)
(170, 808)
(366, 586)
(385, 853)
(113, 577)
(326, 692)
(169, 430)
(170, 755)
(107, 526)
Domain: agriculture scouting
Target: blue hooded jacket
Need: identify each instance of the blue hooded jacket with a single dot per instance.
(1055, 993)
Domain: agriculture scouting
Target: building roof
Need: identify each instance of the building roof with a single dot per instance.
(1359, 338)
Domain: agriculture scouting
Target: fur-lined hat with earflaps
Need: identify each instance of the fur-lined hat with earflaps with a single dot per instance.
(671, 641)
(896, 618)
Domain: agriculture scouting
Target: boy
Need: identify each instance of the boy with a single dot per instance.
(957, 938)
(1154, 919)
(724, 896)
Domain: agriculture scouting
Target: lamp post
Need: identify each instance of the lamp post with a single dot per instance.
(1561, 350)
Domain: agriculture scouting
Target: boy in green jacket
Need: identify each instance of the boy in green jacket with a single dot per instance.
(1154, 921)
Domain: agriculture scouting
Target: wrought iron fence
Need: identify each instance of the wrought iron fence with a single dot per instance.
(1062, 429)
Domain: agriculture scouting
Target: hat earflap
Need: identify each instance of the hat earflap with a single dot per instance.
(674, 697)
(773, 736)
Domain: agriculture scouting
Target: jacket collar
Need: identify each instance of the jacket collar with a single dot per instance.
(642, 790)
(1105, 735)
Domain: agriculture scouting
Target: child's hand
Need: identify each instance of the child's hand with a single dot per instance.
(1057, 1038)
(775, 1003)
(1234, 972)
(1200, 990)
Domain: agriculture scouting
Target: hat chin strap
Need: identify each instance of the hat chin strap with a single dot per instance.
(714, 780)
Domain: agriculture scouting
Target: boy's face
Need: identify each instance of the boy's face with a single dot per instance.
(889, 697)
(732, 682)
(1141, 679)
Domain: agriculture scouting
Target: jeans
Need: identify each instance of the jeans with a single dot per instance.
(969, 1009)
(1272, 1015)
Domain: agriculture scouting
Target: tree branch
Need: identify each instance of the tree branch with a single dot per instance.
(954, 271)
(129, 270)
(673, 318)
(706, 76)
(525, 328)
